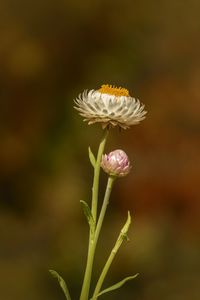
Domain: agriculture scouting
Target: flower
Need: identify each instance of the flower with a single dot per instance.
(116, 163)
(110, 106)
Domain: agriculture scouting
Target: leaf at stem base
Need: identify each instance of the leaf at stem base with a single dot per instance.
(116, 285)
(62, 283)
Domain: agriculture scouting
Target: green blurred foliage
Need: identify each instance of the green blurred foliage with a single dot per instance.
(50, 51)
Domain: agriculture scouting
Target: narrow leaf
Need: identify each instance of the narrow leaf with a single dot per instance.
(91, 157)
(117, 285)
(62, 283)
(125, 229)
(88, 214)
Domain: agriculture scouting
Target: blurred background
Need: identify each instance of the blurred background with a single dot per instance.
(50, 51)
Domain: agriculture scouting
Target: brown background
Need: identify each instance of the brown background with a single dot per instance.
(50, 51)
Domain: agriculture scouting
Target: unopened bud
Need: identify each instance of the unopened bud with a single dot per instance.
(116, 163)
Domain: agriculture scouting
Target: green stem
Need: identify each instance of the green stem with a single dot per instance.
(122, 236)
(95, 187)
(92, 246)
(104, 207)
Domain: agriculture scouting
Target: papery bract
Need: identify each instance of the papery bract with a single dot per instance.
(116, 163)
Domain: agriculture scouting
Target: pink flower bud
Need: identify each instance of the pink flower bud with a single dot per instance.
(116, 163)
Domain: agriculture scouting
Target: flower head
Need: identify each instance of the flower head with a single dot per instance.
(110, 106)
(116, 163)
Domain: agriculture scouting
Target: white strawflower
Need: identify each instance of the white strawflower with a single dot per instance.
(110, 106)
(116, 163)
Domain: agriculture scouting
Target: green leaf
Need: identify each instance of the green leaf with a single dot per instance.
(88, 214)
(125, 229)
(62, 283)
(117, 285)
(91, 157)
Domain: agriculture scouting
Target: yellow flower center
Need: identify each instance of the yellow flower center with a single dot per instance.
(113, 90)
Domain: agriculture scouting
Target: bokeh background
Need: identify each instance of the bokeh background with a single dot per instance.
(50, 51)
